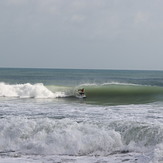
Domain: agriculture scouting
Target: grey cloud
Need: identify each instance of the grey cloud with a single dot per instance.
(105, 33)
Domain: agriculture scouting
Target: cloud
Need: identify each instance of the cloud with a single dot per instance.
(53, 7)
(78, 18)
(93, 19)
(87, 27)
(141, 17)
(16, 2)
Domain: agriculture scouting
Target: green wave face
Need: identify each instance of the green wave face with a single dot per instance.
(122, 94)
(112, 94)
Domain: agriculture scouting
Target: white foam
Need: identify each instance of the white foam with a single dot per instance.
(62, 137)
(158, 153)
(109, 83)
(88, 84)
(119, 83)
(28, 91)
(117, 158)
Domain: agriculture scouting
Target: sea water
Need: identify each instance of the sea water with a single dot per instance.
(42, 120)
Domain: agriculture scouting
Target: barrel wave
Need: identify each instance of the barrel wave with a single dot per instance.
(100, 94)
(120, 93)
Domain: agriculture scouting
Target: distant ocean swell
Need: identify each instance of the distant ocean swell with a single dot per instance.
(107, 93)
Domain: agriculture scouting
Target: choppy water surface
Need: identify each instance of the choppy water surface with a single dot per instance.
(41, 120)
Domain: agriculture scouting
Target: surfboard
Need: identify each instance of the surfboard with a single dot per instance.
(78, 95)
(81, 96)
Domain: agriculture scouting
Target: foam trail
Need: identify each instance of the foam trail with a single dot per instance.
(28, 91)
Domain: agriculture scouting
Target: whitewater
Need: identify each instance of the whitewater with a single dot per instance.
(41, 120)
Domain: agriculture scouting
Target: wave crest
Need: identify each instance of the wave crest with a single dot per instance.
(27, 90)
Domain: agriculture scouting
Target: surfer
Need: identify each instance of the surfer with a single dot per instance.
(81, 91)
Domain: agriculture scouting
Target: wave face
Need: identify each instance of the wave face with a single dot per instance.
(122, 93)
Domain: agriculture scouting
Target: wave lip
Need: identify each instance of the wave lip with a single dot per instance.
(27, 91)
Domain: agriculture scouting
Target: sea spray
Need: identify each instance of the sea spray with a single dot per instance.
(63, 137)
(141, 133)
(28, 91)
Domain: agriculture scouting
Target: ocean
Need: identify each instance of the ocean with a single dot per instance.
(43, 121)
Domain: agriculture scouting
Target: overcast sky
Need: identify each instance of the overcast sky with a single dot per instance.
(98, 34)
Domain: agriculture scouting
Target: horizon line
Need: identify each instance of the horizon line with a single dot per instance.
(114, 69)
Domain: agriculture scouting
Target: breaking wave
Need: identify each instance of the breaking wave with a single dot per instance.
(28, 91)
(67, 137)
(63, 137)
(102, 94)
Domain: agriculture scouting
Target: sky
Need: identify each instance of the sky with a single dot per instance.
(82, 34)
